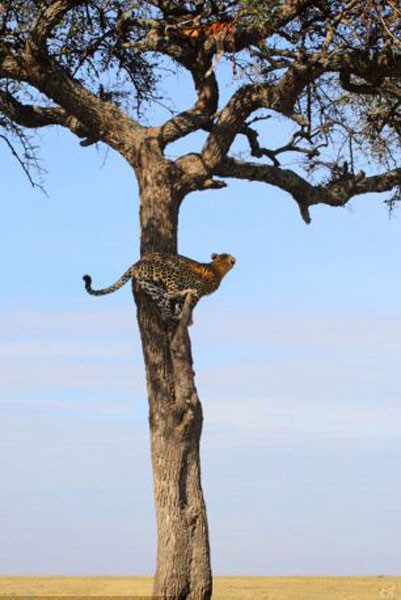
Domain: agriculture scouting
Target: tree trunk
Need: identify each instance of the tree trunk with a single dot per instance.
(183, 554)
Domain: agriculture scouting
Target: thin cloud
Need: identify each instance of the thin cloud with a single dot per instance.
(68, 323)
(39, 348)
(284, 419)
(290, 379)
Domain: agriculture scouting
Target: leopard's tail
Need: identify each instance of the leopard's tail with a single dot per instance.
(109, 290)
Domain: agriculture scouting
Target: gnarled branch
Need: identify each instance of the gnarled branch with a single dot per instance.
(49, 18)
(103, 120)
(304, 193)
(280, 98)
(200, 116)
(33, 116)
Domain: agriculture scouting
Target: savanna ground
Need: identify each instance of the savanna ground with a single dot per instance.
(225, 588)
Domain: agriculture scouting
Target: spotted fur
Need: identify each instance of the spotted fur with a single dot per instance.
(169, 278)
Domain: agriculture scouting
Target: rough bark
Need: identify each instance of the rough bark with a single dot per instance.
(305, 50)
(175, 412)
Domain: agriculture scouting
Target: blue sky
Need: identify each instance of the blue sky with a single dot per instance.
(298, 366)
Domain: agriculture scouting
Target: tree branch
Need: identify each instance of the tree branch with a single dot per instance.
(33, 116)
(358, 88)
(200, 116)
(372, 67)
(165, 39)
(160, 39)
(256, 149)
(101, 120)
(183, 124)
(10, 66)
(183, 323)
(304, 193)
(29, 115)
(288, 10)
(85, 114)
(22, 163)
(49, 18)
(291, 146)
(195, 53)
(280, 98)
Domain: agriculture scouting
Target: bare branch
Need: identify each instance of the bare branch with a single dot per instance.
(251, 35)
(372, 67)
(200, 116)
(183, 323)
(21, 162)
(358, 88)
(29, 115)
(84, 113)
(101, 120)
(33, 116)
(360, 184)
(280, 97)
(162, 38)
(183, 124)
(256, 149)
(301, 190)
(336, 193)
(49, 18)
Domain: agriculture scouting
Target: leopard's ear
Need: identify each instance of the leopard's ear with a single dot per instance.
(214, 256)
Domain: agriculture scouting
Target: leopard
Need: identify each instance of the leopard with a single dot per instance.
(169, 278)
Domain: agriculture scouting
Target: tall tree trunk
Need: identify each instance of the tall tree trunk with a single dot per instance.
(183, 554)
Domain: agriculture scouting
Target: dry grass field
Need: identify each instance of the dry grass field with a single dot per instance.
(225, 588)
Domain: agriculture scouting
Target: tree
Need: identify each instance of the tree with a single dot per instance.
(330, 69)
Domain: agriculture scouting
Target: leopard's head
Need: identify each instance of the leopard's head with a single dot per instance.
(223, 262)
